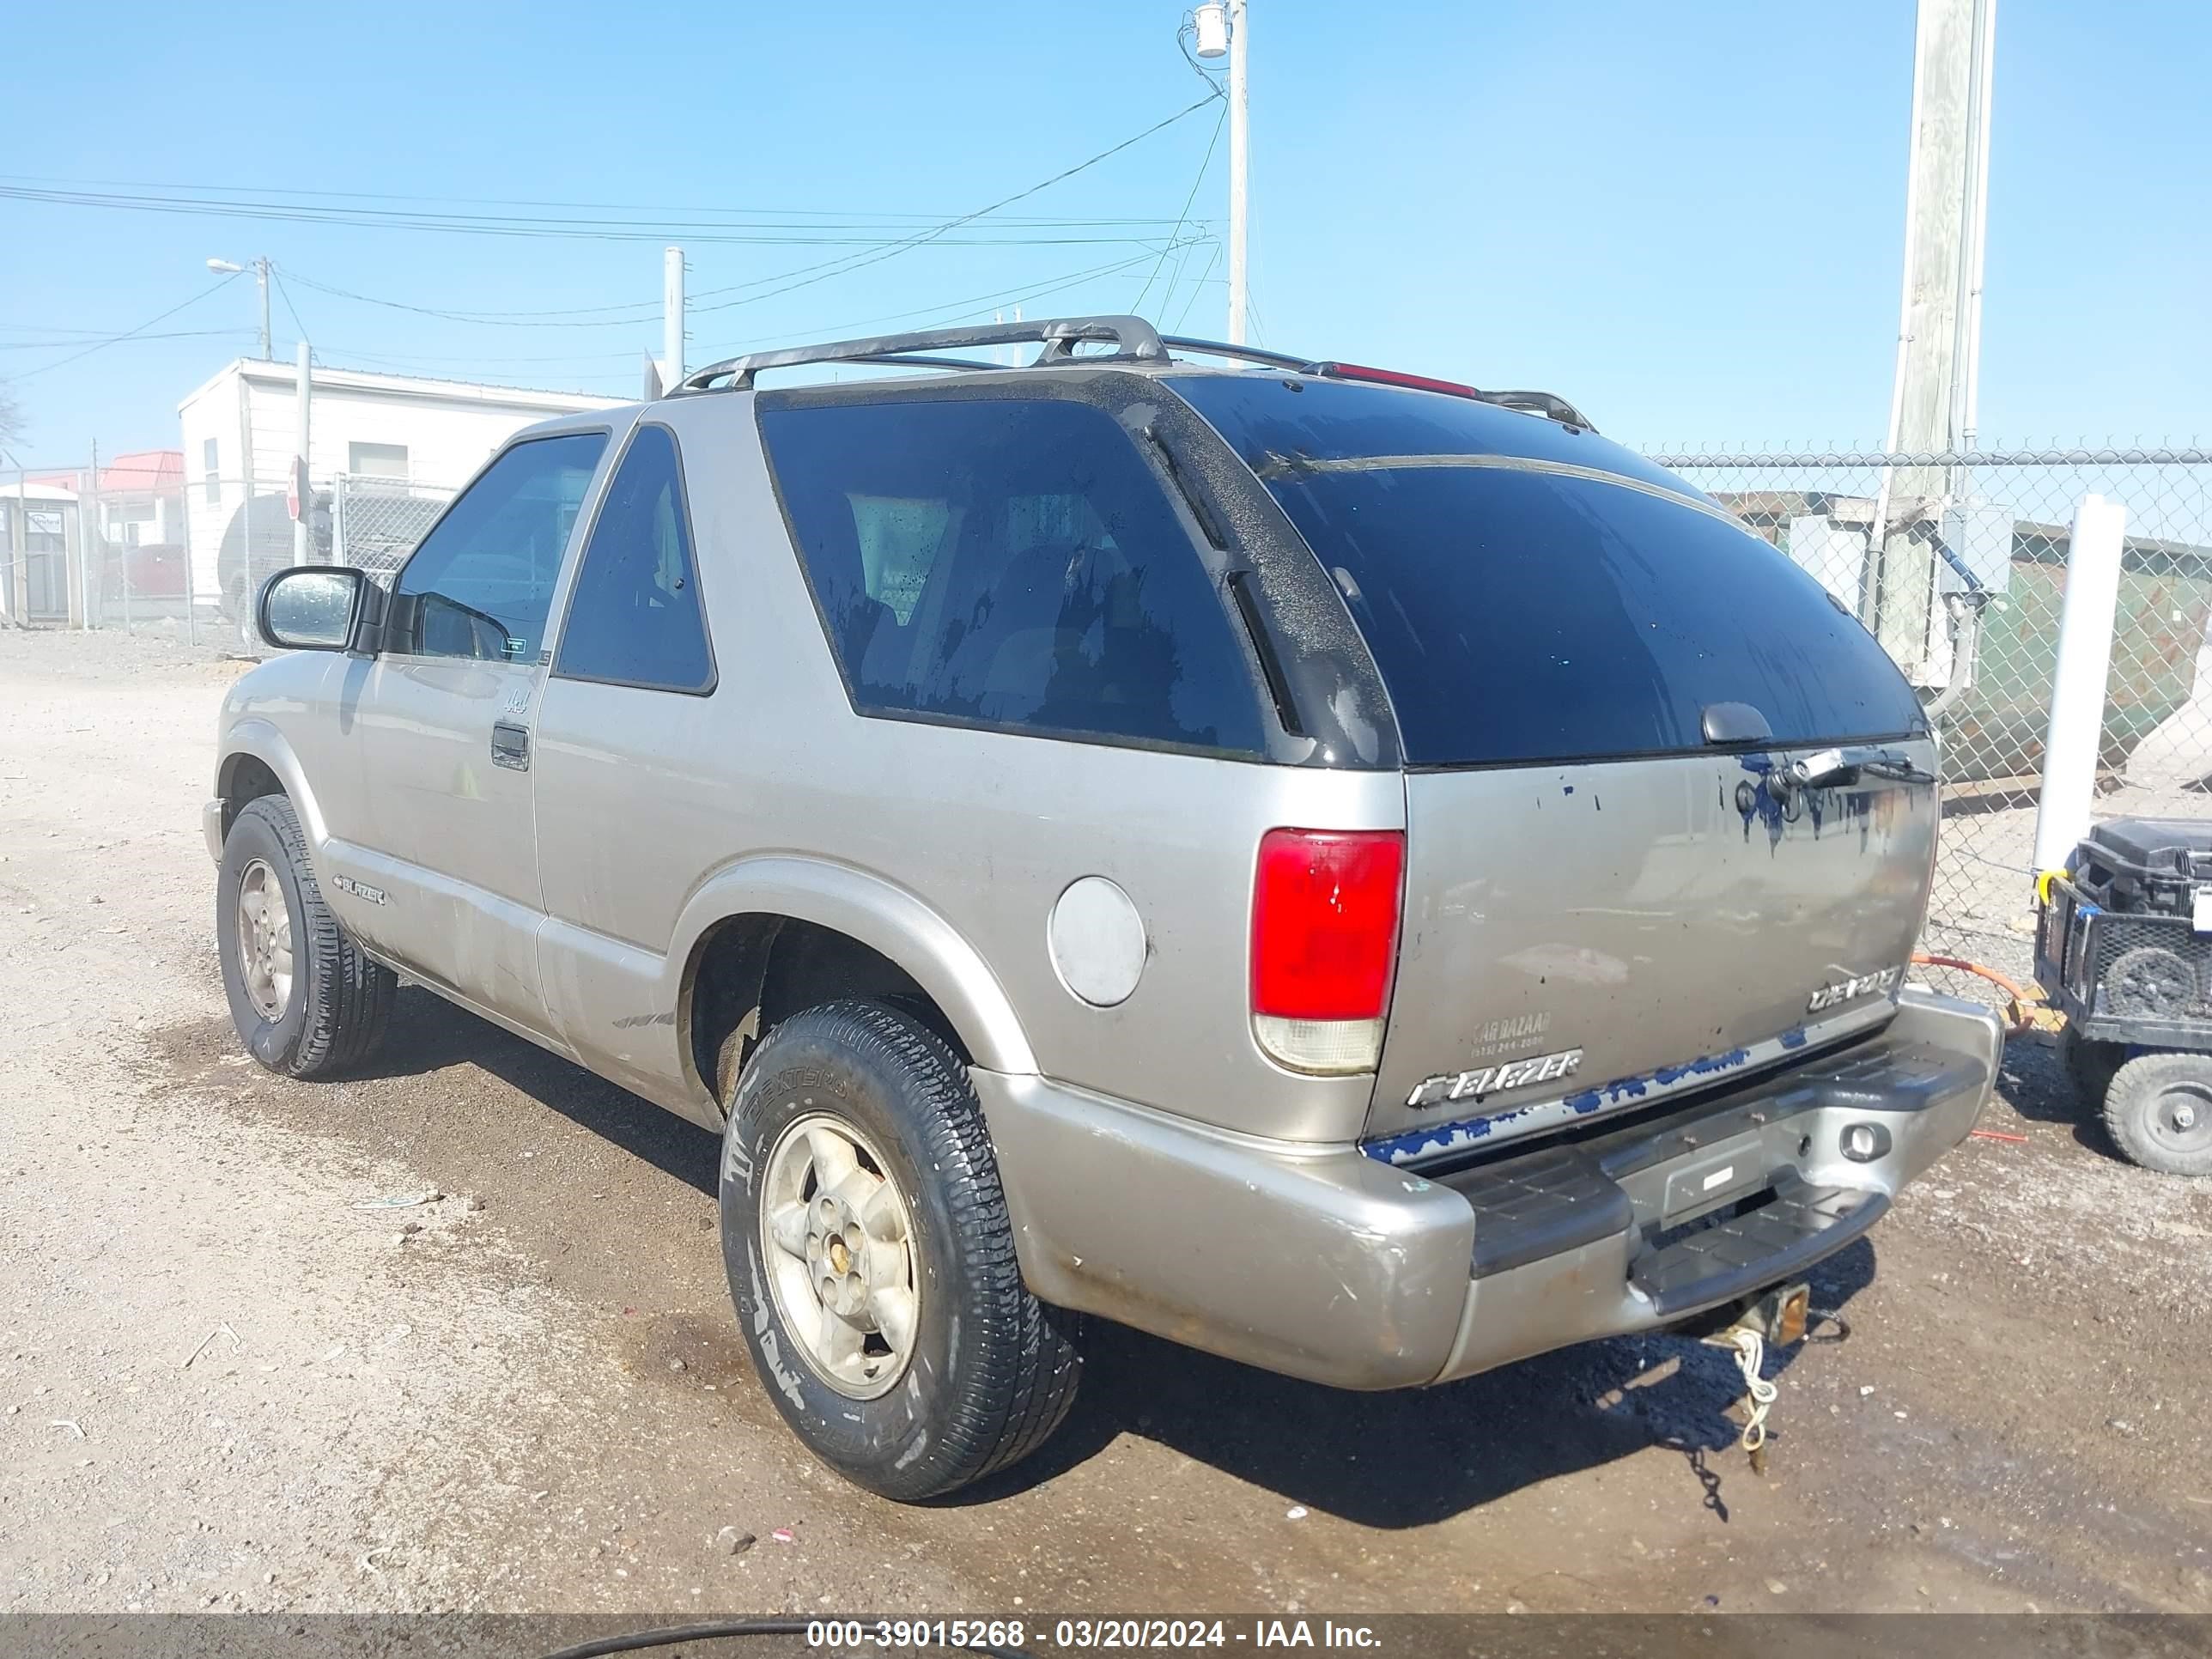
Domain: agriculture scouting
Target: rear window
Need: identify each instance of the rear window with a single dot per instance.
(1521, 608)
(1009, 563)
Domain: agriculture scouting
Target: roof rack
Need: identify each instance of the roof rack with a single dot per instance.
(1242, 353)
(1136, 339)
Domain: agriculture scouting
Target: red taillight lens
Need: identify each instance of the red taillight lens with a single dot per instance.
(1325, 923)
(1393, 377)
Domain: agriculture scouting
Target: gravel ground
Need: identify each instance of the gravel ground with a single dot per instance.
(235, 1373)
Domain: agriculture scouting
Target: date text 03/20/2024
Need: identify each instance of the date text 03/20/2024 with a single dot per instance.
(1088, 1633)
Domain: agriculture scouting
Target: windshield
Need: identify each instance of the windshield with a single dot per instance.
(1534, 593)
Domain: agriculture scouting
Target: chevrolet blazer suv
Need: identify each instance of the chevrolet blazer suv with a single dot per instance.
(1348, 871)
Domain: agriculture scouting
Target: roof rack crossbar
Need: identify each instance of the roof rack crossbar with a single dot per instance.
(1134, 337)
(1242, 353)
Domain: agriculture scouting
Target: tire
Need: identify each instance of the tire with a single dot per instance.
(2089, 1065)
(2159, 1112)
(986, 1371)
(330, 1012)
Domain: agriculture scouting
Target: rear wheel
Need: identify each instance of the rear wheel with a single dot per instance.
(306, 1000)
(2159, 1111)
(872, 1261)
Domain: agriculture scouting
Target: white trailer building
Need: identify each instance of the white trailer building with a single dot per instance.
(241, 431)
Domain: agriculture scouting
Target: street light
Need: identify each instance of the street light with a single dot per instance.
(228, 267)
(1220, 26)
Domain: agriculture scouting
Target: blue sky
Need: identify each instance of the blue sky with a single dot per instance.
(1687, 219)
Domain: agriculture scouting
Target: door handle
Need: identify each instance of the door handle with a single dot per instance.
(510, 746)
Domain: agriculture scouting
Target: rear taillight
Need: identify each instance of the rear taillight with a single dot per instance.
(1324, 943)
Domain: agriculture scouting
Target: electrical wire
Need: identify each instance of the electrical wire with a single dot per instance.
(1137, 305)
(129, 334)
(597, 230)
(856, 262)
(819, 271)
(1199, 287)
(754, 217)
(290, 310)
(167, 334)
(951, 310)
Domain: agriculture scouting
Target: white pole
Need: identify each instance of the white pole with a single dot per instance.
(261, 270)
(2077, 687)
(1977, 223)
(302, 543)
(671, 318)
(1239, 160)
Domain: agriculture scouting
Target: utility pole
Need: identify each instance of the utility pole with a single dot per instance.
(1934, 399)
(302, 540)
(1946, 207)
(225, 267)
(1239, 160)
(671, 318)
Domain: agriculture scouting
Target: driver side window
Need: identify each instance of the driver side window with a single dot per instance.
(482, 582)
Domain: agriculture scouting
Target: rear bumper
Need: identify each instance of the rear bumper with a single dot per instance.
(1321, 1262)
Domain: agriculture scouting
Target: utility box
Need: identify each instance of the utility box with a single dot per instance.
(1833, 554)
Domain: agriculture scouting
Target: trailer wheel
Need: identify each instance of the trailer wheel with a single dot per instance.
(2159, 1111)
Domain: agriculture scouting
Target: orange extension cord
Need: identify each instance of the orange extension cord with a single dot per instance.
(2019, 999)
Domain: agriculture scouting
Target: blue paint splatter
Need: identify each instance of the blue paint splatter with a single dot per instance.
(1793, 1037)
(1432, 1139)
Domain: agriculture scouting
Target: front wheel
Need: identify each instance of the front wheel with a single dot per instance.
(2159, 1111)
(872, 1261)
(306, 1000)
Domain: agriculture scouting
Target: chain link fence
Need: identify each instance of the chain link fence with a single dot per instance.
(376, 522)
(1957, 563)
(186, 558)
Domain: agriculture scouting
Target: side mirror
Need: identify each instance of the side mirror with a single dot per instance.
(313, 607)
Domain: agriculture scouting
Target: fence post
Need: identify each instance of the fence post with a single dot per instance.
(22, 560)
(84, 490)
(2077, 686)
(192, 581)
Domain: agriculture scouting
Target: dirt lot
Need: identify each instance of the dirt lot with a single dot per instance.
(231, 1379)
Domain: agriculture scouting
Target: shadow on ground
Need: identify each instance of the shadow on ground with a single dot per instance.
(1397, 1460)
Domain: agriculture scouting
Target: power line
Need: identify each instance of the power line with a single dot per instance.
(167, 334)
(644, 311)
(856, 263)
(1199, 287)
(1138, 304)
(129, 334)
(952, 310)
(600, 230)
(806, 217)
(290, 310)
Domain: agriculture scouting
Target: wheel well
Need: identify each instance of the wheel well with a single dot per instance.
(243, 779)
(752, 971)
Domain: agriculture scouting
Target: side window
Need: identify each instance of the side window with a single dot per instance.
(481, 581)
(1010, 563)
(634, 618)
